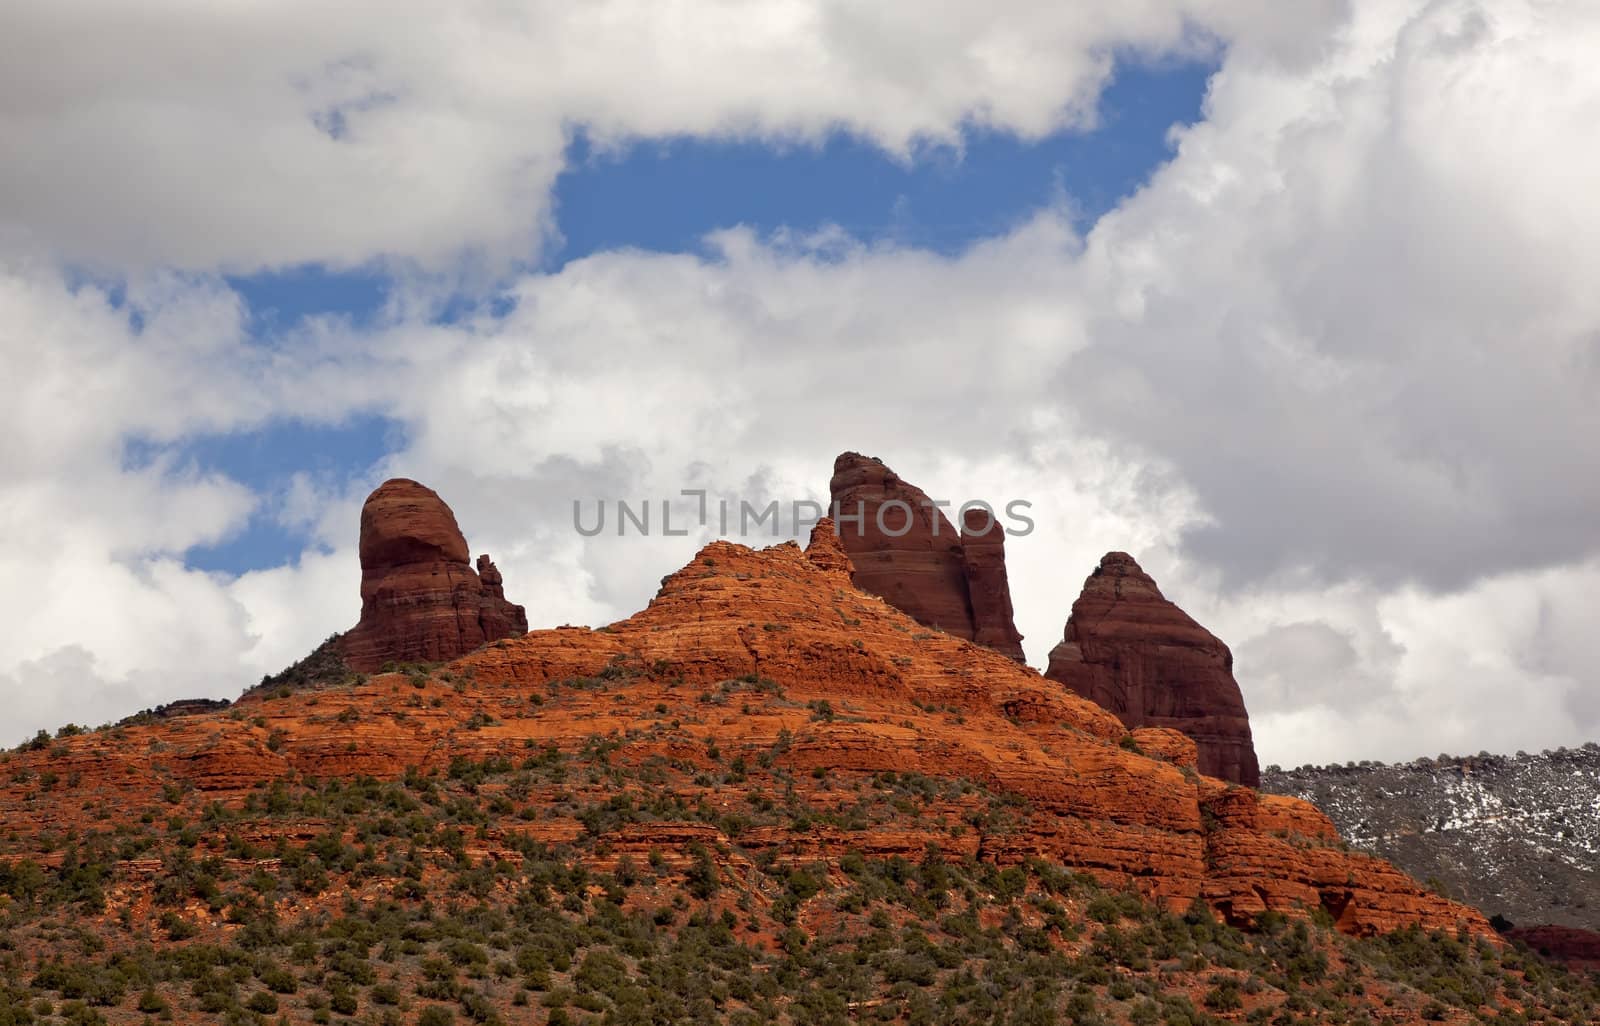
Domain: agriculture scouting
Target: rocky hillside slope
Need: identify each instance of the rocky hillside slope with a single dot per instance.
(1517, 836)
(767, 797)
(744, 653)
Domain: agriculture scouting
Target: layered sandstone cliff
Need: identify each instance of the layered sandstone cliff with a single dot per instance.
(1130, 650)
(906, 550)
(421, 601)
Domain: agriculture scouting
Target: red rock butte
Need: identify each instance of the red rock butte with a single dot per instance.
(939, 576)
(844, 687)
(421, 601)
(1130, 650)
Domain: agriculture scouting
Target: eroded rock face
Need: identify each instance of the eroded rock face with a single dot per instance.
(905, 549)
(1174, 746)
(826, 553)
(983, 550)
(421, 601)
(1133, 652)
(836, 687)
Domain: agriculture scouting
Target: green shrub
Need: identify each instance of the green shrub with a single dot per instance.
(263, 1001)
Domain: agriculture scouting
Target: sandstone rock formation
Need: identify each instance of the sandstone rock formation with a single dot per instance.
(181, 707)
(421, 601)
(770, 658)
(983, 552)
(1174, 746)
(905, 549)
(825, 551)
(1133, 652)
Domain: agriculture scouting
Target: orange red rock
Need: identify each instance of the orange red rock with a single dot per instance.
(906, 550)
(774, 657)
(826, 552)
(1129, 649)
(1174, 746)
(421, 601)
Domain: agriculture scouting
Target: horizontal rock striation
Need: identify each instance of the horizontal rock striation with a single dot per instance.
(1538, 813)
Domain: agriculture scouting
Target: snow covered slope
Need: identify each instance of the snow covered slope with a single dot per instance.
(1514, 835)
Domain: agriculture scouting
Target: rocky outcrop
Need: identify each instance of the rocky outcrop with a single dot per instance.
(767, 667)
(1133, 652)
(983, 558)
(421, 601)
(1174, 746)
(493, 583)
(826, 553)
(905, 550)
(770, 658)
(182, 707)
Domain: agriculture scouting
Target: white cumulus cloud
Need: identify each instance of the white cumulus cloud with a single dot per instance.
(1329, 375)
(258, 134)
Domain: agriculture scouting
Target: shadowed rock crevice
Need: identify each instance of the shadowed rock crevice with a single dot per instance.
(983, 549)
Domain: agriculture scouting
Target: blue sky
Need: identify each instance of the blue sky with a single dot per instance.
(666, 196)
